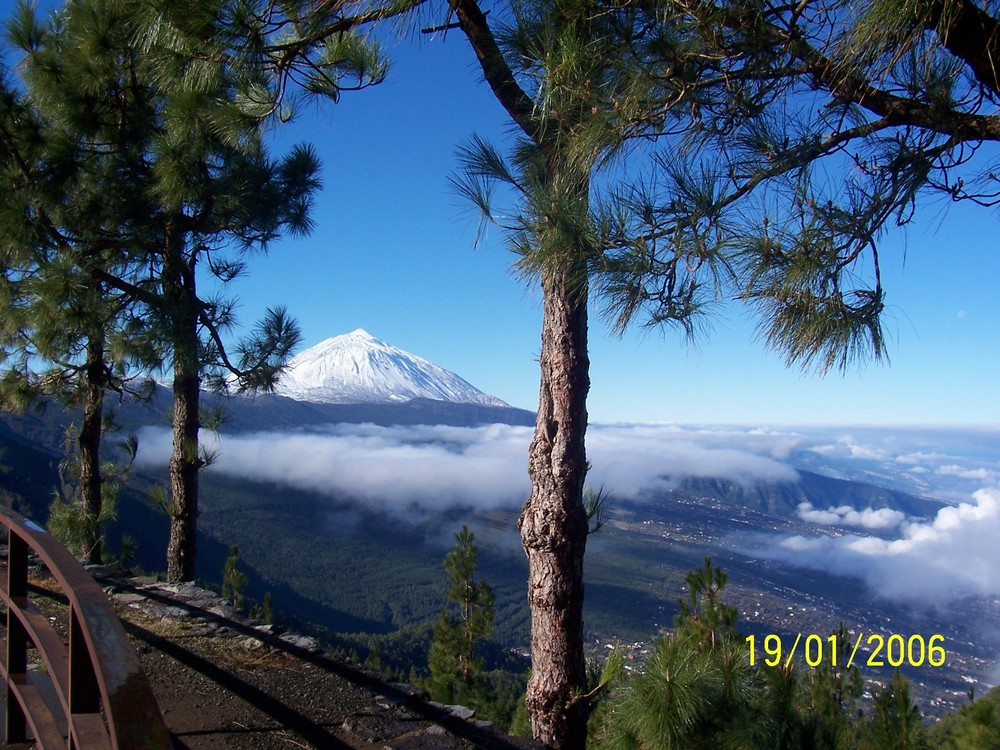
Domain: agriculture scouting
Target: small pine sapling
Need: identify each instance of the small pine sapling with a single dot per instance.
(233, 580)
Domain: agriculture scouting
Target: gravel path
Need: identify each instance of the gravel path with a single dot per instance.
(221, 683)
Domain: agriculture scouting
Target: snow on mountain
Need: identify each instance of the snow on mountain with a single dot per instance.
(359, 368)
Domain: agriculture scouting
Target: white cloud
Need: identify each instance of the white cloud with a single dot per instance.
(849, 447)
(947, 462)
(633, 458)
(441, 466)
(437, 467)
(845, 515)
(396, 466)
(919, 457)
(953, 555)
(979, 474)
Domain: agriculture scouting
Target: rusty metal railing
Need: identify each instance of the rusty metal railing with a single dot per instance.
(93, 693)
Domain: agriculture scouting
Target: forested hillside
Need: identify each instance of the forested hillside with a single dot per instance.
(650, 165)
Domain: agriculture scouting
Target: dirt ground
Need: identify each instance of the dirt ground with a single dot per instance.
(221, 684)
(215, 692)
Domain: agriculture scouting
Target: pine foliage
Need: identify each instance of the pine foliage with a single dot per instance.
(894, 723)
(130, 193)
(454, 667)
(234, 581)
(975, 726)
(838, 121)
(694, 689)
(697, 689)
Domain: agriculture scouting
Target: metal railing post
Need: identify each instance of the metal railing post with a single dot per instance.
(93, 693)
(17, 636)
(84, 692)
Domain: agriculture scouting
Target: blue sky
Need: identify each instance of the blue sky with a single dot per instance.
(394, 252)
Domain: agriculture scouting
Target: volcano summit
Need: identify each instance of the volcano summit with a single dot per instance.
(358, 368)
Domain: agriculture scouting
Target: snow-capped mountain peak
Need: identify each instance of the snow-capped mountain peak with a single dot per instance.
(360, 368)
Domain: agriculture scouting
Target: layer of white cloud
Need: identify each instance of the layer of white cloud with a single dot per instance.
(947, 462)
(845, 515)
(387, 466)
(953, 555)
(978, 474)
(483, 467)
(436, 467)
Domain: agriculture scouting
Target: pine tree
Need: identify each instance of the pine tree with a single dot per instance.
(830, 693)
(229, 69)
(186, 192)
(65, 334)
(696, 689)
(580, 81)
(452, 662)
(894, 722)
(267, 608)
(234, 581)
(443, 659)
(714, 90)
(703, 618)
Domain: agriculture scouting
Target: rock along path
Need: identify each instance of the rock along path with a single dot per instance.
(222, 682)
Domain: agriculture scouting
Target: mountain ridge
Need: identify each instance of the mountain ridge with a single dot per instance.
(820, 490)
(359, 368)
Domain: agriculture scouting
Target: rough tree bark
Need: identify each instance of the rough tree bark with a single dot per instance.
(89, 443)
(184, 467)
(553, 522)
(185, 459)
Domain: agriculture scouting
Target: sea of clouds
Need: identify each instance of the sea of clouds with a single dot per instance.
(933, 560)
(438, 467)
(917, 560)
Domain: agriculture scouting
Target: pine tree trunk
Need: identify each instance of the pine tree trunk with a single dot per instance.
(553, 522)
(184, 467)
(89, 442)
(185, 461)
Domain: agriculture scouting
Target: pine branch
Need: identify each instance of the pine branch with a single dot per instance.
(496, 71)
